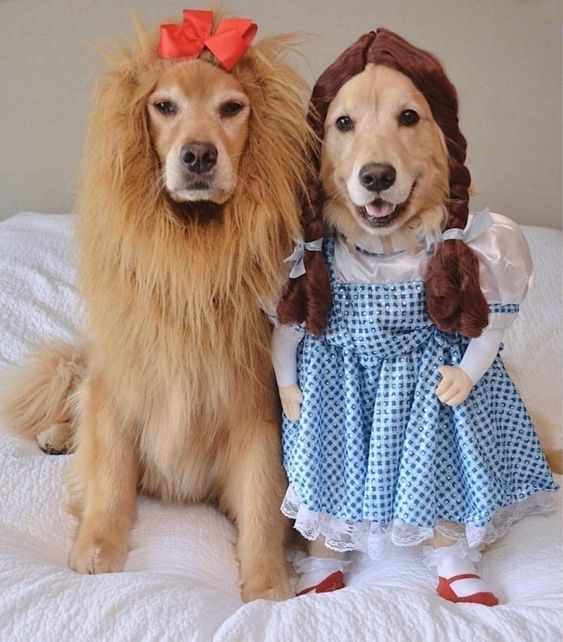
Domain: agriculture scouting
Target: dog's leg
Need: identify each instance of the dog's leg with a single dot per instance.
(103, 476)
(254, 485)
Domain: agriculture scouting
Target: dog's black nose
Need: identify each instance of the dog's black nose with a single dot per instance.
(377, 177)
(199, 158)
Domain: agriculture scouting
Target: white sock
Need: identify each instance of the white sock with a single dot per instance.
(313, 570)
(458, 559)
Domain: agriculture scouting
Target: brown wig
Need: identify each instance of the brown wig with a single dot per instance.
(455, 301)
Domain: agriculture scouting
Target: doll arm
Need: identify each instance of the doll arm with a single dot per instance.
(505, 269)
(457, 381)
(285, 340)
(481, 352)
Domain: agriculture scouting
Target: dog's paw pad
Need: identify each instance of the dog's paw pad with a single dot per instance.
(55, 440)
(50, 450)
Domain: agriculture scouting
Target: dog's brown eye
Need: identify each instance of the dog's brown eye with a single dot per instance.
(230, 109)
(165, 107)
(408, 117)
(344, 123)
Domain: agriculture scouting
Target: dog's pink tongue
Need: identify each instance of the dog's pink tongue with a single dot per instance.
(379, 208)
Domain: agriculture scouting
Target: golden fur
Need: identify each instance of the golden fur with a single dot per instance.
(173, 390)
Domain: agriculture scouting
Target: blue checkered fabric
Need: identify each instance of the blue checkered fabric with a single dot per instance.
(375, 443)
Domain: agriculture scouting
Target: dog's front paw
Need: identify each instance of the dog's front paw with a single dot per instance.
(56, 440)
(93, 558)
(266, 590)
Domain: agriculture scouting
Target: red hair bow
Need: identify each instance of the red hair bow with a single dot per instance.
(187, 40)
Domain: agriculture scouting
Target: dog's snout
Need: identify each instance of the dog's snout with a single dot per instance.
(377, 177)
(199, 158)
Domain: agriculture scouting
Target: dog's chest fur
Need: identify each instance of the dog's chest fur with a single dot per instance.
(175, 339)
(181, 466)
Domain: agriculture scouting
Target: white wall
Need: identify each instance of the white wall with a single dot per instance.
(504, 56)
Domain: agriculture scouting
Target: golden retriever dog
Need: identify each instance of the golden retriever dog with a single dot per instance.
(189, 202)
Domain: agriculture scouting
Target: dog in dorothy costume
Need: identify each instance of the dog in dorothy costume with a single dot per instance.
(401, 425)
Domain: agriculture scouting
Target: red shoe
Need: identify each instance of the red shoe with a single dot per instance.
(445, 590)
(332, 582)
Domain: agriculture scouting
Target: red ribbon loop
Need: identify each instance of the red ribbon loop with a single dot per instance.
(187, 40)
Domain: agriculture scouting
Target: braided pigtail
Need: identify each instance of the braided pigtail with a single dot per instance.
(455, 301)
(308, 298)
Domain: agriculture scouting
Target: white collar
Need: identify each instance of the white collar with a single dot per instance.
(409, 238)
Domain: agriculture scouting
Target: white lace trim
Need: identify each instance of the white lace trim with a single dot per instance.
(375, 539)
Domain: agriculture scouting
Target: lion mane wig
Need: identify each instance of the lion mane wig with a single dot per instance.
(200, 282)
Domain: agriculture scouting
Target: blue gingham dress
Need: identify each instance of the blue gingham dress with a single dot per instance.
(376, 453)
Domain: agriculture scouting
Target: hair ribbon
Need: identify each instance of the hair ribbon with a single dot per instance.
(476, 225)
(187, 40)
(298, 256)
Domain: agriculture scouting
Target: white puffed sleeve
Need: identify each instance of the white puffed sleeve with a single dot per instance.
(505, 267)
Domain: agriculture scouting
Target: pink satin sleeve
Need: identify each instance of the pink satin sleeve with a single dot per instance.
(505, 262)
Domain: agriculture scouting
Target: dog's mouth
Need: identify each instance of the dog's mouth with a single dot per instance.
(200, 190)
(201, 211)
(193, 191)
(197, 186)
(380, 213)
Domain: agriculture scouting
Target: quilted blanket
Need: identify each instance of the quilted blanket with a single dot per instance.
(180, 581)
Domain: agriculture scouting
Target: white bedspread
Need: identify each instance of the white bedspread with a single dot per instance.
(180, 581)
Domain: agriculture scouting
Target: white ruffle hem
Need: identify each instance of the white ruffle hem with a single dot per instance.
(375, 539)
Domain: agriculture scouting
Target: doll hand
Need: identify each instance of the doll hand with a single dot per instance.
(291, 399)
(455, 385)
